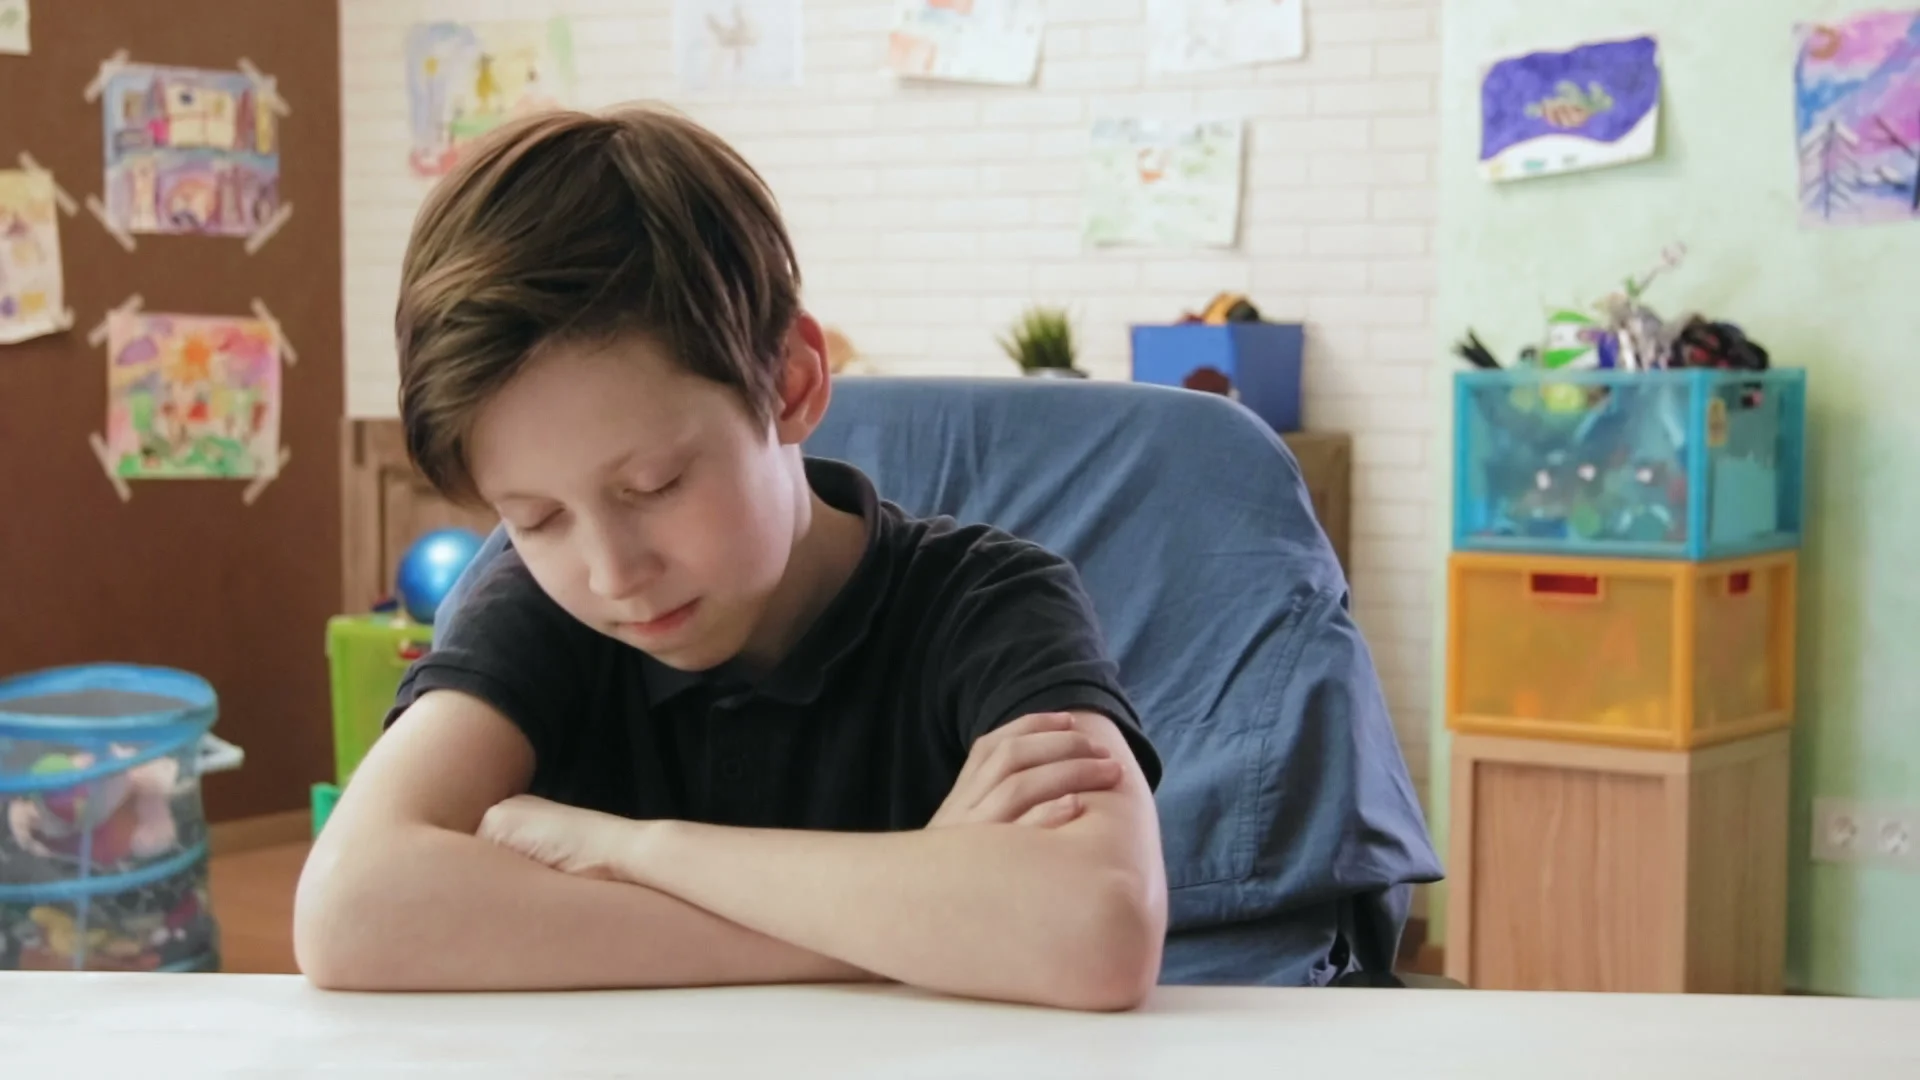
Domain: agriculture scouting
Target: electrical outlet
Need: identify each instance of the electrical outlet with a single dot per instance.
(1836, 830)
(1883, 833)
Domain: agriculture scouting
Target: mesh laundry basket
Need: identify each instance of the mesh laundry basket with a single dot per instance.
(103, 847)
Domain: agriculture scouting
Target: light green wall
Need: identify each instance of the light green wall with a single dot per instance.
(1844, 305)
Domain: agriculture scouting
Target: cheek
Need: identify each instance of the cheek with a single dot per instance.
(740, 536)
(562, 575)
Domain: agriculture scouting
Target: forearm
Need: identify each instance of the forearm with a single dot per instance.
(424, 908)
(994, 911)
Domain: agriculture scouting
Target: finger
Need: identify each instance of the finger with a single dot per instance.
(1015, 755)
(492, 823)
(1032, 751)
(1053, 814)
(969, 785)
(1019, 793)
(1030, 724)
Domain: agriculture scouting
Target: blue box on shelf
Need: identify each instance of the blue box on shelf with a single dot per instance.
(1258, 364)
(1682, 464)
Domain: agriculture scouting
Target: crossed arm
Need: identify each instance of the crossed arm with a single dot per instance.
(1039, 880)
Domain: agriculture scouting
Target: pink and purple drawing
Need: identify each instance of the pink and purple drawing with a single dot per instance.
(192, 396)
(190, 151)
(1586, 108)
(1857, 114)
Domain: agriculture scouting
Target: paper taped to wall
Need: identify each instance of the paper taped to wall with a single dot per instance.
(988, 41)
(1209, 35)
(1163, 183)
(722, 44)
(1588, 107)
(192, 396)
(189, 151)
(32, 292)
(465, 79)
(1857, 116)
(14, 17)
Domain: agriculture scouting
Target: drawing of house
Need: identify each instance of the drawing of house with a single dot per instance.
(198, 115)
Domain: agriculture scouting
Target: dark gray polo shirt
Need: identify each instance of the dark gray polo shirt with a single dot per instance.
(943, 633)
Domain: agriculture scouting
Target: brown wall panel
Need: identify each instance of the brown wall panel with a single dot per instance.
(184, 574)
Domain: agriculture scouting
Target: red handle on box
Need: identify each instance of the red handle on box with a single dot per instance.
(1564, 586)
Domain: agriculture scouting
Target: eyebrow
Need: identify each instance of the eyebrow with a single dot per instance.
(612, 465)
(678, 455)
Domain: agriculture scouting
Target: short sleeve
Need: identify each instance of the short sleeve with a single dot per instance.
(1023, 638)
(511, 646)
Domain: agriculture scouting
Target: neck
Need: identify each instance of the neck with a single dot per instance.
(827, 545)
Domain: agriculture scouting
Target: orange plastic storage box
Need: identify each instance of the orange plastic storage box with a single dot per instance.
(1628, 652)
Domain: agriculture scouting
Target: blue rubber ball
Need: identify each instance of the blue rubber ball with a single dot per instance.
(430, 567)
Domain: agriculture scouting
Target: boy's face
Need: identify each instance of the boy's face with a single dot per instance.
(646, 500)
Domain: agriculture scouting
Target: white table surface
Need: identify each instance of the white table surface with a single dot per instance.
(150, 1026)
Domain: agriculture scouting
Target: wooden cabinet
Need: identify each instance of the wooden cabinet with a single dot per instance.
(385, 506)
(1580, 867)
(1326, 464)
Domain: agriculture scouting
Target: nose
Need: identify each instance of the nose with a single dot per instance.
(620, 563)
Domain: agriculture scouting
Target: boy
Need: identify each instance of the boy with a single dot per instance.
(719, 715)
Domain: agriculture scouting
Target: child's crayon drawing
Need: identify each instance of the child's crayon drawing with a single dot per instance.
(465, 79)
(1856, 84)
(31, 299)
(1555, 112)
(190, 151)
(192, 396)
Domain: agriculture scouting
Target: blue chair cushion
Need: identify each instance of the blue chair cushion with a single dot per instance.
(1292, 831)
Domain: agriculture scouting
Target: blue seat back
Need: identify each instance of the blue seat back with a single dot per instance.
(1291, 829)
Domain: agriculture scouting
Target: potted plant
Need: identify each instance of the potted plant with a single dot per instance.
(1041, 342)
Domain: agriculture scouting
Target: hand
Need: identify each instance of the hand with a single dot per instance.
(1029, 772)
(585, 843)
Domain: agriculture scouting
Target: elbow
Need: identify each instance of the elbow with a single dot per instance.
(328, 964)
(331, 951)
(1118, 961)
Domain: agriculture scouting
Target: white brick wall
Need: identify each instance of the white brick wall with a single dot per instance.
(927, 216)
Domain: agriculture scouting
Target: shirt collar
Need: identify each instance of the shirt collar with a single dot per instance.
(799, 677)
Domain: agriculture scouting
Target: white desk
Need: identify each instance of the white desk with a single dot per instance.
(151, 1026)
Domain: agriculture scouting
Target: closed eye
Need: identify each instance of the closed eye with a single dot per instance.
(667, 488)
(535, 527)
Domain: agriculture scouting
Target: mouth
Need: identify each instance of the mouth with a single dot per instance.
(660, 625)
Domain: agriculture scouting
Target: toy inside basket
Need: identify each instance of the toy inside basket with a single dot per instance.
(103, 851)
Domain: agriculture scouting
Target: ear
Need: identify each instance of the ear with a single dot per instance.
(806, 383)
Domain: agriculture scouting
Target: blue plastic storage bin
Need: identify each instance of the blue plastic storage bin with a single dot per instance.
(103, 847)
(1684, 464)
(1256, 363)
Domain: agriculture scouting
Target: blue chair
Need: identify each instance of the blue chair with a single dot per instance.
(1292, 833)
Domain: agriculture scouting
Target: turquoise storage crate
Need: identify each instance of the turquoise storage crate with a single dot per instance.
(1687, 464)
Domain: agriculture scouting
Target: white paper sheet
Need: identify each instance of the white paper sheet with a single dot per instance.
(13, 27)
(719, 44)
(989, 41)
(1164, 183)
(465, 79)
(1207, 35)
(32, 295)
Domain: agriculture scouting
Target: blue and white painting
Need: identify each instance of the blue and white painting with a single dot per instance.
(1589, 107)
(1856, 91)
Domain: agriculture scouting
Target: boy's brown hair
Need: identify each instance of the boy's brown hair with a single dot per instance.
(574, 227)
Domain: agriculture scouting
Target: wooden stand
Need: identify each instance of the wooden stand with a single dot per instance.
(1326, 464)
(1578, 867)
